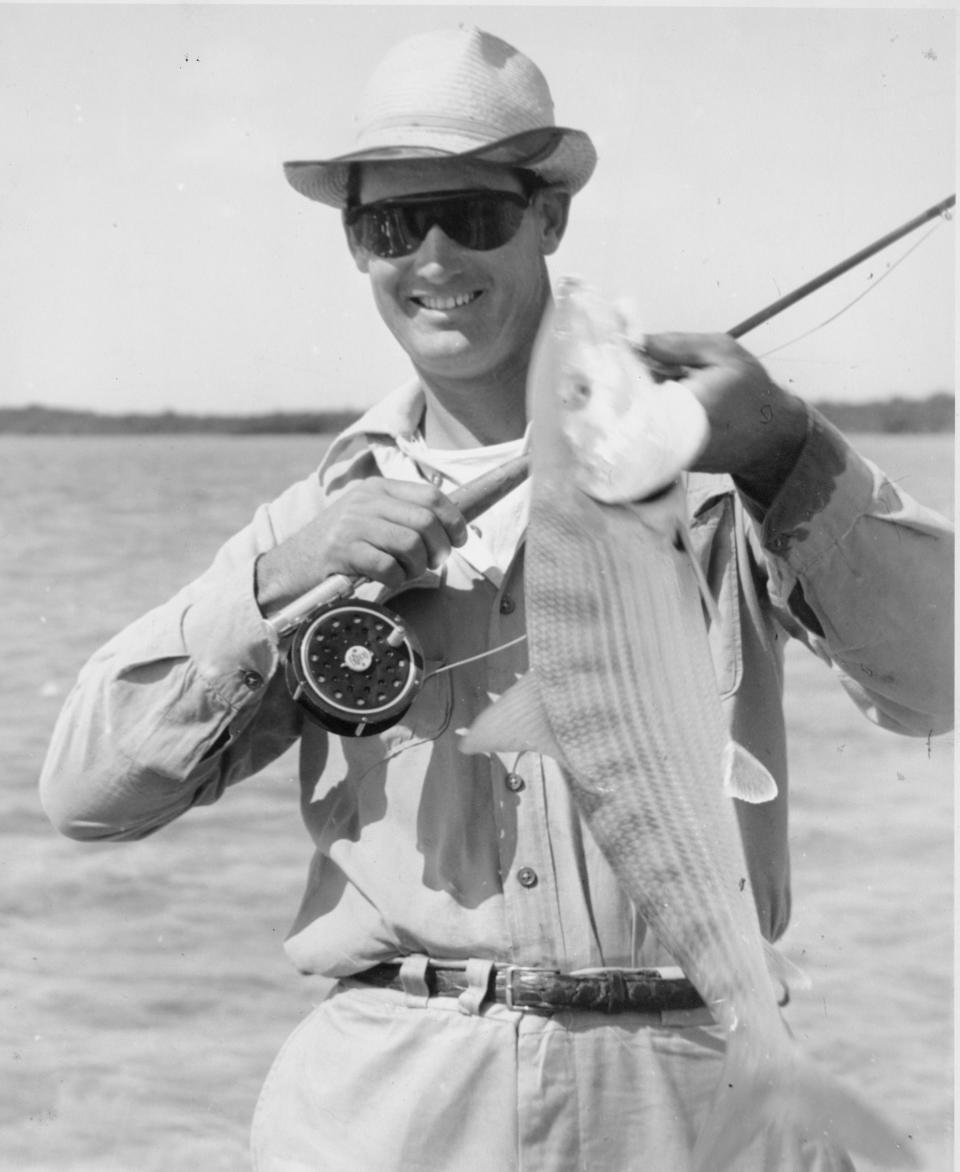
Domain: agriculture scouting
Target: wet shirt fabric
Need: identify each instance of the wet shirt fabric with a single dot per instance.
(421, 849)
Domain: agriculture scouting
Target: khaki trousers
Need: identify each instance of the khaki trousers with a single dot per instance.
(377, 1081)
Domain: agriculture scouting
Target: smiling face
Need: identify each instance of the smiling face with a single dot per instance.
(463, 315)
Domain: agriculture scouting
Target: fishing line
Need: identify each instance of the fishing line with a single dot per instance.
(869, 289)
(473, 658)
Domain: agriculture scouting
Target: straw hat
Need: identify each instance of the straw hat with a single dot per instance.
(458, 93)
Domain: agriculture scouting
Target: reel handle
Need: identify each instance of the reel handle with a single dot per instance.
(471, 499)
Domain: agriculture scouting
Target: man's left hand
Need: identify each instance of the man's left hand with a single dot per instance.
(756, 428)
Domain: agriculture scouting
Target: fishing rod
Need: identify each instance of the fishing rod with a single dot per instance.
(811, 286)
(354, 666)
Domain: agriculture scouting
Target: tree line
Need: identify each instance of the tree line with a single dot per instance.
(935, 413)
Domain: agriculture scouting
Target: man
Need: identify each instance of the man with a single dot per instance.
(446, 890)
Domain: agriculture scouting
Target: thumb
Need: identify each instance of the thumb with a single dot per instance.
(691, 350)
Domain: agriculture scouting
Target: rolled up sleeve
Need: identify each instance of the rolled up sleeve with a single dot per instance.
(182, 703)
(868, 573)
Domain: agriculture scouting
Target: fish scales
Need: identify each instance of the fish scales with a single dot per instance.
(592, 646)
(656, 825)
(621, 692)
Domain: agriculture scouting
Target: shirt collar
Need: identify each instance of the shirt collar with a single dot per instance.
(397, 413)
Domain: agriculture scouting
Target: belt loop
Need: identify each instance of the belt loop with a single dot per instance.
(478, 985)
(413, 979)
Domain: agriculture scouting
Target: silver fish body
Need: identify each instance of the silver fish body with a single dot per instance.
(619, 653)
(622, 692)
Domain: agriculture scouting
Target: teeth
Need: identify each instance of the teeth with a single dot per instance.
(446, 303)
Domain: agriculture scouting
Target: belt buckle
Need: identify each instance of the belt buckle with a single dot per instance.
(509, 973)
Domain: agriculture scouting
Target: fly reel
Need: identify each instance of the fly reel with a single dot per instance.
(352, 664)
(354, 667)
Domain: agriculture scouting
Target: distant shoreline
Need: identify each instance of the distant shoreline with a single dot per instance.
(935, 413)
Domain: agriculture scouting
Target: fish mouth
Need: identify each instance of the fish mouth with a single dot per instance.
(447, 304)
(595, 478)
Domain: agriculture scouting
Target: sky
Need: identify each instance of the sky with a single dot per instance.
(153, 257)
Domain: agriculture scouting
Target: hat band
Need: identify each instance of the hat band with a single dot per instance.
(408, 127)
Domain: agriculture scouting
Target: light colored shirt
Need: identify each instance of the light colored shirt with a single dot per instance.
(493, 539)
(421, 849)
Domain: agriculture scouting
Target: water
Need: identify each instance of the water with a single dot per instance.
(144, 991)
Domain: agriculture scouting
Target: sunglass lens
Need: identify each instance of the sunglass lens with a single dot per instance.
(480, 221)
(381, 230)
(486, 222)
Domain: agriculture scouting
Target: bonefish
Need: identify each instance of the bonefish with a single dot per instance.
(621, 691)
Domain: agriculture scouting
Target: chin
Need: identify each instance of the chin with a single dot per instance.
(450, 355)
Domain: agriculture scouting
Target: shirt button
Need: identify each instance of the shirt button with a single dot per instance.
(514, 782)
(527, 877)
(507, 605)
(252, 679)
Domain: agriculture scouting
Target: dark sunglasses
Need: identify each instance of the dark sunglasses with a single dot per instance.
(480, 220)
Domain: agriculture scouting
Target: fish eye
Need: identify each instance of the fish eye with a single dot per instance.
(580, 392)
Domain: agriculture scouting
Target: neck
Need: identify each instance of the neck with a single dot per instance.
(472, 413)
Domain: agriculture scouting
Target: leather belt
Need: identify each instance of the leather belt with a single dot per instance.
(550, 991)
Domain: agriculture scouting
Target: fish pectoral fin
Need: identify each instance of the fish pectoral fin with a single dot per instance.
(744, 777)
(517, 721)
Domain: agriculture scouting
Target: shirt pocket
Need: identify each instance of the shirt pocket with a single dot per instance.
(714, 541)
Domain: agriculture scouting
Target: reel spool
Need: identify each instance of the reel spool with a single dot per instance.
(354, 667)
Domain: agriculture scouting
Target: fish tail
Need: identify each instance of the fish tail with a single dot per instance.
(794, 1097)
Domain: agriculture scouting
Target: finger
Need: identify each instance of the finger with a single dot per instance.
(440, 506)
(412, 536)
(388, 553)
(370, 561)
(420, 536)
(413, 525)
(694, 351)
(660, 372)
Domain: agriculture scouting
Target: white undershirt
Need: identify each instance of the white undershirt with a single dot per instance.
(493, 538)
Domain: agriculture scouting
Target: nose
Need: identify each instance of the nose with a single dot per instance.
(438, 256)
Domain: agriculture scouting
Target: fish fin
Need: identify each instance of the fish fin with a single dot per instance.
(781, 1090)
(706, 594)
(744, 777)
(516, 721)
(783, 969)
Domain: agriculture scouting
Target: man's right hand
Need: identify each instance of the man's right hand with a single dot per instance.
(390, 531)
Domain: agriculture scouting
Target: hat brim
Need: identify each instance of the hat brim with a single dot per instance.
(556, 154)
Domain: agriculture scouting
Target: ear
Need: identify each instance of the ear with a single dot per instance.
(553, 206)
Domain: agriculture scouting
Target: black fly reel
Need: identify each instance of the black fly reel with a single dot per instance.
(354, 667)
